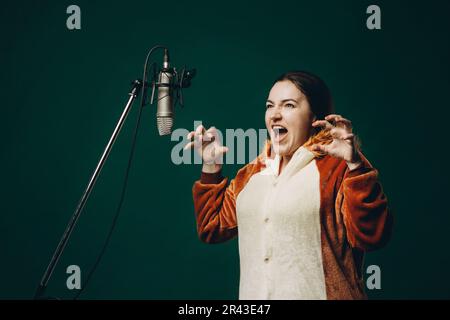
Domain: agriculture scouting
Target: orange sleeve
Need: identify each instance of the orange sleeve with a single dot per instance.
(365, 211)
(215, 203)
(215, 208)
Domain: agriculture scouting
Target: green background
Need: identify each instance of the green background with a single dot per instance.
(62, 92)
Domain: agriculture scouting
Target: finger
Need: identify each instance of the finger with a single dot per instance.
(218, 154)
(189, 145)
(341, 133)
(338, 132)
(223, 149)
(215, 155)
(211, 134)
(348, 136)
(322, 123)
(214, 132)
(207, 137)
(211, 129)
(198, 136)
(332, 117)
(320, 147)
(199, 131)
(339, 121)
(347, 123)
(190, 135)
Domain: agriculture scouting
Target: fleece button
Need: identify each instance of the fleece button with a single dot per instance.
(266, 220)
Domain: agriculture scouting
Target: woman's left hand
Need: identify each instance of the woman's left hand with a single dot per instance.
(343, 145)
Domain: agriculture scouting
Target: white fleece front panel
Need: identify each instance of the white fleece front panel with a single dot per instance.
(279, 232)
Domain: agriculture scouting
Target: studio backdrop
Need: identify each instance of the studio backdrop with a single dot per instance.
(65, 77)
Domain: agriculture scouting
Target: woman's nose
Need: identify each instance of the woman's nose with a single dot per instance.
(276, 115)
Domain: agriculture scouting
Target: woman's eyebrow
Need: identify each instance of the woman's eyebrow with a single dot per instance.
(283, 101)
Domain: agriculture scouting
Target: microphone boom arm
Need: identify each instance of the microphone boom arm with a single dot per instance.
(137, 87)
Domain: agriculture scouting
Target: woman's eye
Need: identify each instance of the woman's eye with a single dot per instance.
(290, 105)
(269, 106)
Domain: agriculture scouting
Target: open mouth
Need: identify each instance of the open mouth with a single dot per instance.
(279, 132)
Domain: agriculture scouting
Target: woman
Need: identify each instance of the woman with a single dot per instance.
(307, 208)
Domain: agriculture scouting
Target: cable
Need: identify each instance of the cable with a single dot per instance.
(125, 183)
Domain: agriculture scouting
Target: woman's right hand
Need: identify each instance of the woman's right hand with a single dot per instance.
(208, 146)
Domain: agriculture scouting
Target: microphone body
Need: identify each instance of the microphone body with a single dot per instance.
(164, 112)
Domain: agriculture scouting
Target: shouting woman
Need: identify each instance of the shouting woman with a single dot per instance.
(305, 210)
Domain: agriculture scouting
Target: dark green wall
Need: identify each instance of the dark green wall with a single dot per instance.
(62, 92)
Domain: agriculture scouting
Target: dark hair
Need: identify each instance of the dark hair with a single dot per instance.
(315, 90)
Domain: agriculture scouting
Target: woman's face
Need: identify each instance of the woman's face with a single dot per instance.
(288, 118)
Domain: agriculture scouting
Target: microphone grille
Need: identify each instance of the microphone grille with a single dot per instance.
(164, 125)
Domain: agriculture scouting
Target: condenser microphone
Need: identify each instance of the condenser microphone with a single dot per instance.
(164, 112)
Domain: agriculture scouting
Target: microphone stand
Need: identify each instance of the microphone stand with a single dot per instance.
(137, 86)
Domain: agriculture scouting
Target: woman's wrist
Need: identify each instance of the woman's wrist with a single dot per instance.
(211, 168)
(356, 162)
(354, 165)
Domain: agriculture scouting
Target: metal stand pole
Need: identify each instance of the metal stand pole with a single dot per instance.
(137, 86)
